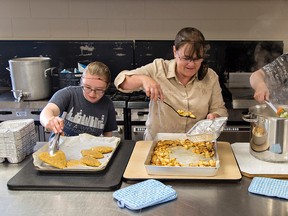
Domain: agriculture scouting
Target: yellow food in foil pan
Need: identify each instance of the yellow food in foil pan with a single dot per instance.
(184, 153)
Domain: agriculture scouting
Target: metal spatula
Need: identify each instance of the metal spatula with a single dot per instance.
(54, 143)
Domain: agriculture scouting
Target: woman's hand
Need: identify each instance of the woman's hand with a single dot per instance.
(212, 116)
(257, 81)
(152, 88)
(261, 93)
(49, 118)
(55, 124)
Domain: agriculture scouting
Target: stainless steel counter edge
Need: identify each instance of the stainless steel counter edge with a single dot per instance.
(10, 103)
(23, 104)
(199, 198)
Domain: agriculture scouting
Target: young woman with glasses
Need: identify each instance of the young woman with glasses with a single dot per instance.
(88, 109)
(184, 82)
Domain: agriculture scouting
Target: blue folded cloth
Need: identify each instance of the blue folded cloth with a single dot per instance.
(269, 187)
(144, 194)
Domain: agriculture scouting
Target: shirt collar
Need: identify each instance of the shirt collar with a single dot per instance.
(172, 72)
(172, 69)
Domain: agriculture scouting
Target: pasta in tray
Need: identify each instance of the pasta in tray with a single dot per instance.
(184, 153)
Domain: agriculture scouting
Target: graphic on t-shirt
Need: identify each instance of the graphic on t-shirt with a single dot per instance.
(82, 119)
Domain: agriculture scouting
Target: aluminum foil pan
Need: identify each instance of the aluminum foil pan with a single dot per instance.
(207, 130)
(182, 156)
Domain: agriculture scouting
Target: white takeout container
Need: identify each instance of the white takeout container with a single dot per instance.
(184, 170)
(72, 147)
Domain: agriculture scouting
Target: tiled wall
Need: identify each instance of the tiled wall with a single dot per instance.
(143, 19)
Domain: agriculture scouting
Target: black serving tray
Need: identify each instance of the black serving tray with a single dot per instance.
(28, 178)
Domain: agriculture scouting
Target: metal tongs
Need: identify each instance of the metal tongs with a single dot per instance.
(54, 143)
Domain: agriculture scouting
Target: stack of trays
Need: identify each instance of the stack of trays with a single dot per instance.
(17, 139)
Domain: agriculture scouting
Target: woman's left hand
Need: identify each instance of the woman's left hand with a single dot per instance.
(212, 116)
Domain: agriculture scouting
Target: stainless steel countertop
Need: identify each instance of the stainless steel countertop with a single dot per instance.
(194, 198)
(7, 101)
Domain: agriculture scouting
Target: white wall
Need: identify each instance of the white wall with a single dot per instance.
(143, 19)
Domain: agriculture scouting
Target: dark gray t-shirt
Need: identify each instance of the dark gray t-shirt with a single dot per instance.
(276, 74)
(82, 115)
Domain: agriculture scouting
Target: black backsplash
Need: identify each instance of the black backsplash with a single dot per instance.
(229, 56)
(117, 55)
(222, 56)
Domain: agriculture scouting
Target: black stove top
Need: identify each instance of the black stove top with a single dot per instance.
(116, 95)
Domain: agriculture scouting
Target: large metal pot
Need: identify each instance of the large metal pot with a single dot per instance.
(269, 134)
(30, 77)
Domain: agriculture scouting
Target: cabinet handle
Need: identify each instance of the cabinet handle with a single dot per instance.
(5, 112)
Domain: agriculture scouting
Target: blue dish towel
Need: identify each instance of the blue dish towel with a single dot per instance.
(144, 194)
(269, 187)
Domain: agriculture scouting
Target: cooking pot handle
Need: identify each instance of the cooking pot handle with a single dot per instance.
(8, 68)
(51, 72)
(250, 118)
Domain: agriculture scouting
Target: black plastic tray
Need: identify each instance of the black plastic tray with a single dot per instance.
(28, 178)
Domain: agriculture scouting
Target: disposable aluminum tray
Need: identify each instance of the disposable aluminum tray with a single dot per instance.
(72, 147)
(17, 138)
(173, 170)
(207, 129)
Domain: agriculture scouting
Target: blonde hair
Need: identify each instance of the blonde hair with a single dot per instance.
(99, 69)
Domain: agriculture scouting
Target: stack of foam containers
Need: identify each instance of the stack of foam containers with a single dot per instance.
(17, 139)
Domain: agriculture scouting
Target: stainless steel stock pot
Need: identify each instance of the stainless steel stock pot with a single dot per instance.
(30, 77)
(268, 134)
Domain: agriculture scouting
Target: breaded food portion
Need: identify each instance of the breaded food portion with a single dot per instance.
(92, 153)
(90, 161)
(73, 163)
(103, 149)
(58, 160)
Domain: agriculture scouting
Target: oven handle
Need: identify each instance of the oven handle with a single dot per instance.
(236, 129)
(35, 112)
(119, 130)
(5, 112)
(141, 113)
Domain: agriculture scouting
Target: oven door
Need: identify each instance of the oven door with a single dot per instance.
(230, 134)
(137, 132)
(235, 133)
(119, 132)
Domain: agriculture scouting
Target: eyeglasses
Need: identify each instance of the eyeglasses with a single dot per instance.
(187, 59)
(88, 90)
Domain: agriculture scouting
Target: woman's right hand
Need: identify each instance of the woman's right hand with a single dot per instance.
(261, 93)
(49, 118)
(152, 88)
(55, 124)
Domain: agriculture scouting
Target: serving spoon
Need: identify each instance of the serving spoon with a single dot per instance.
(179, 113)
